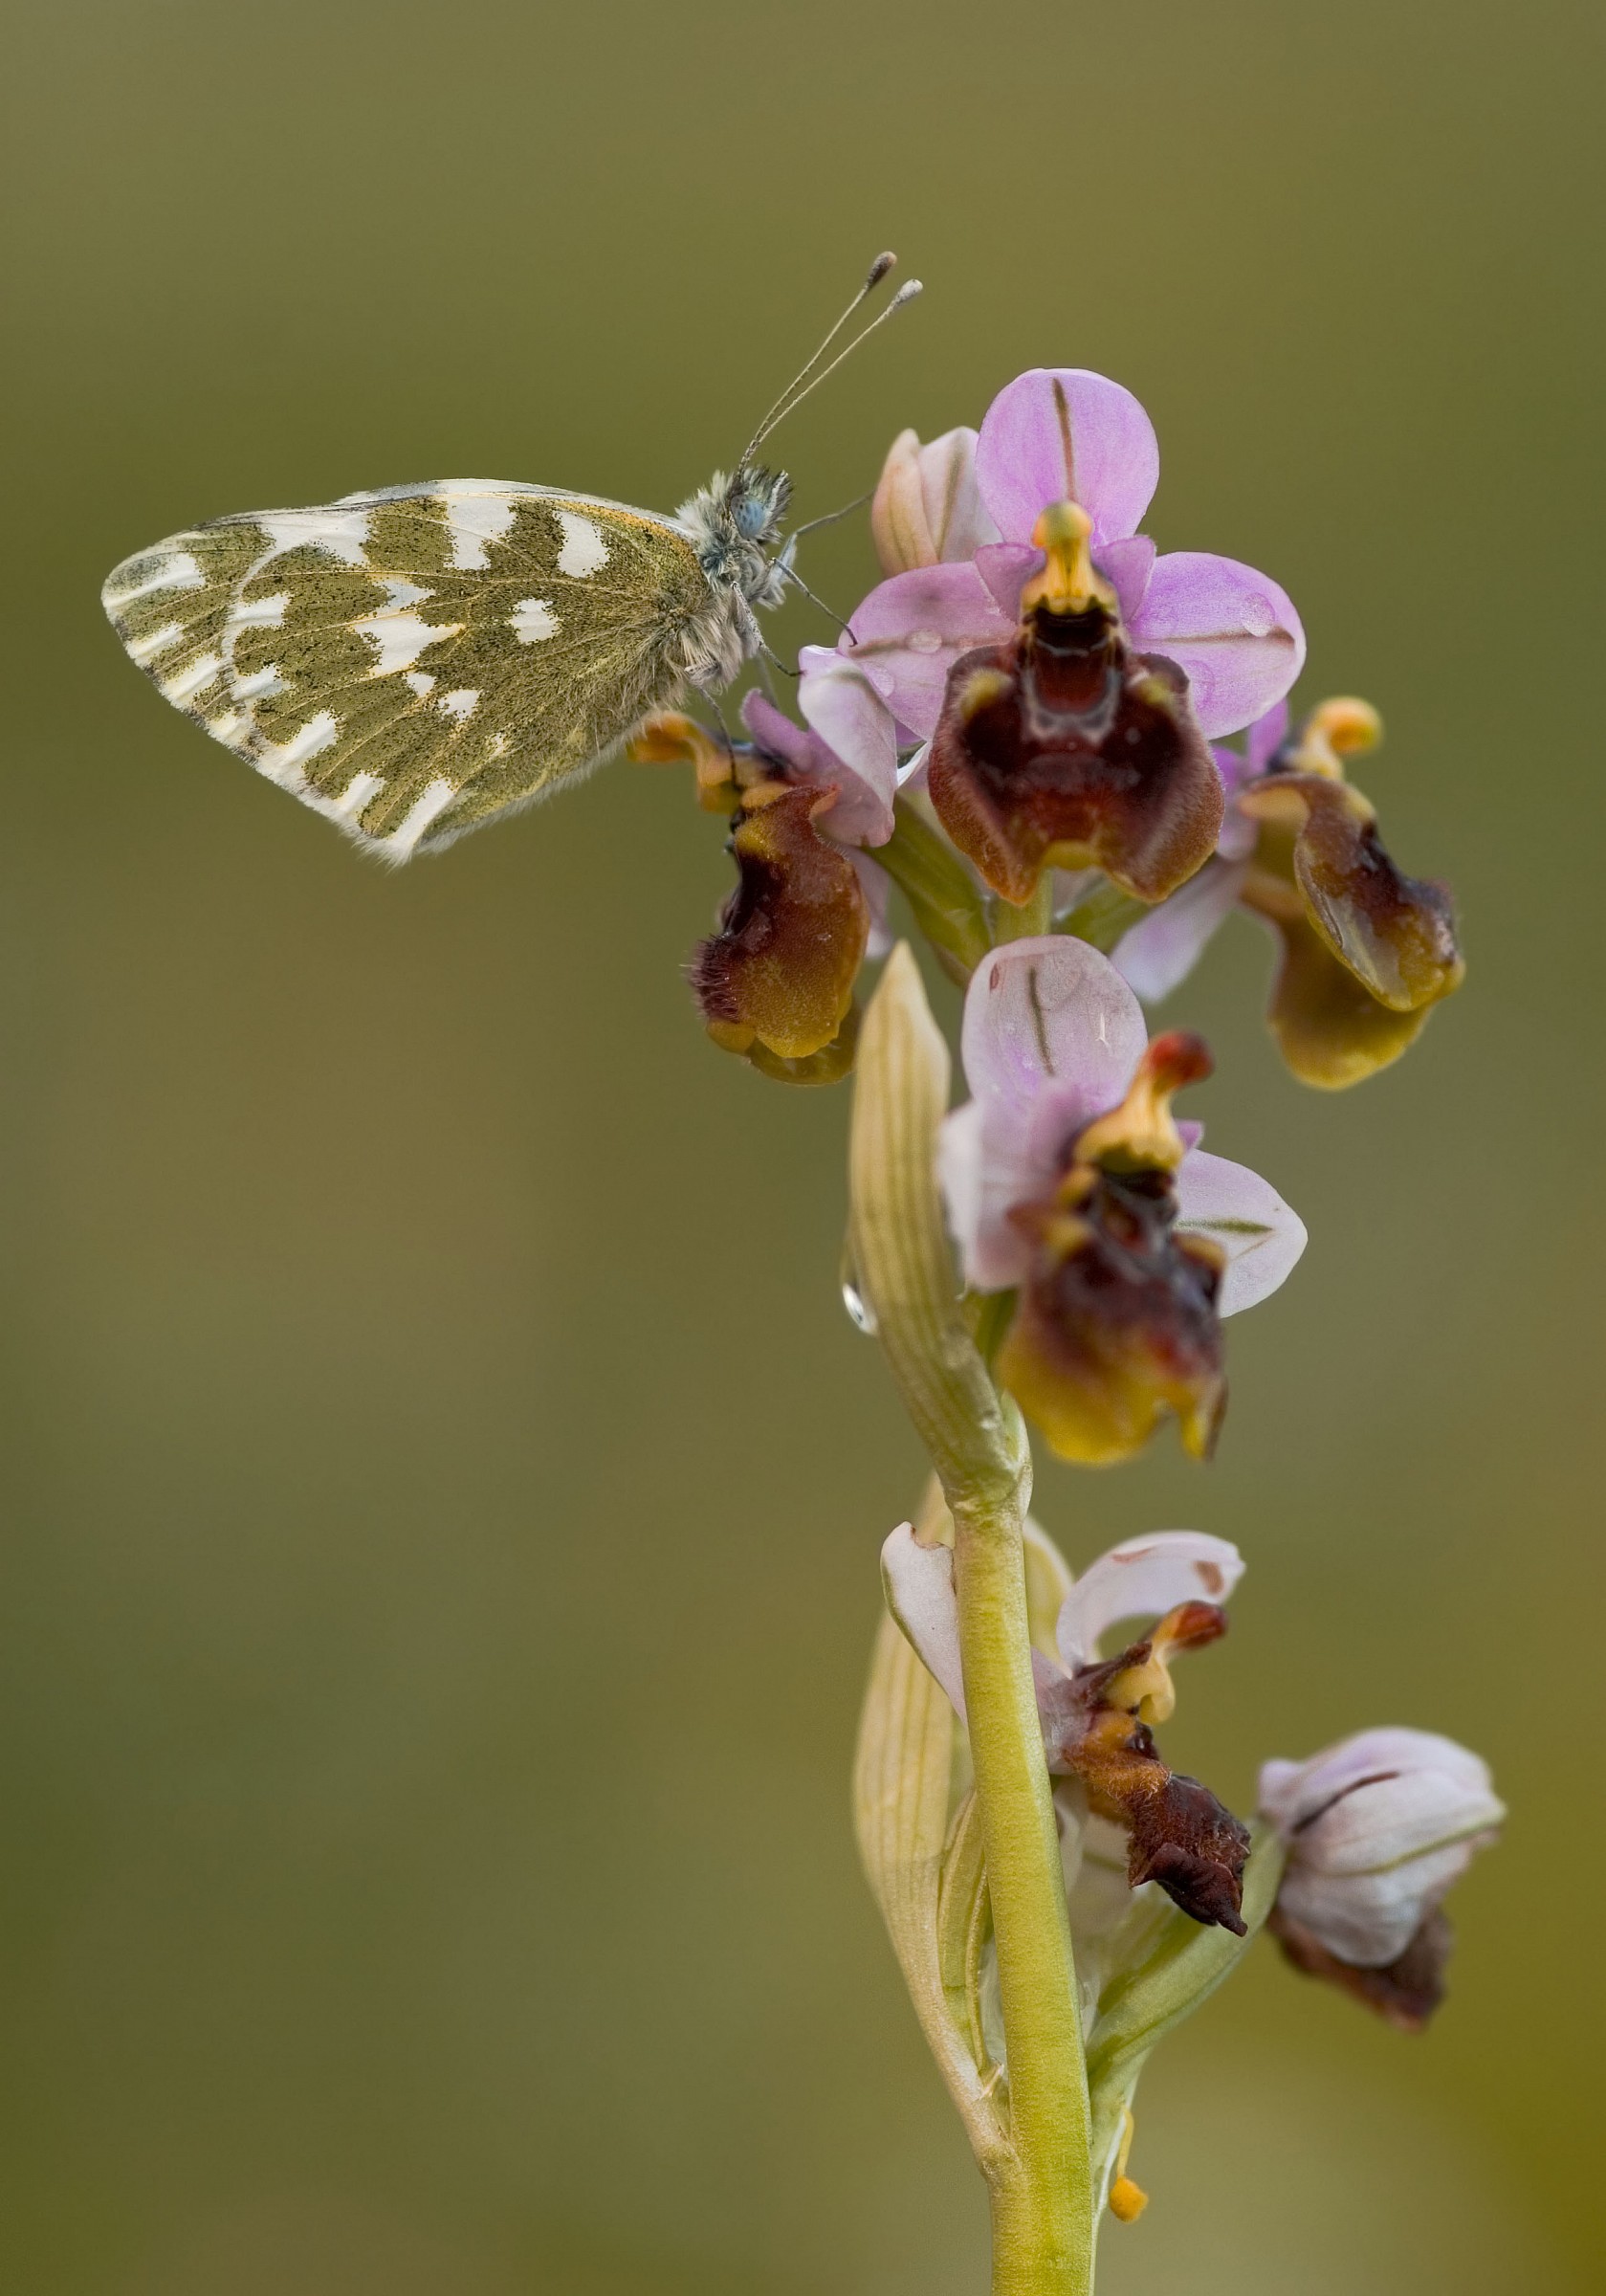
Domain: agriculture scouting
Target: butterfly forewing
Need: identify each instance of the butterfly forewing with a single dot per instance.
(414, 661)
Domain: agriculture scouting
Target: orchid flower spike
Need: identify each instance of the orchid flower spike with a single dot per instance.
(1068, 1180)
(1377, 1829)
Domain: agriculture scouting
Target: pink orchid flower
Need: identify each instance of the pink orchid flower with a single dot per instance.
(1056, 434)
(1052, 1037)
(1378, 1829)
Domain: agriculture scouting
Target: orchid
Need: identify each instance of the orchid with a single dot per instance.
(1062, 434)
(1169, 1240)
(776, 982)
(1095, 1715)
(1068, 676)
(1378, 1829)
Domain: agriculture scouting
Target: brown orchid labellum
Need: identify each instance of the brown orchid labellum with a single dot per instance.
(1117, 1322)
(1096, 1729)
(1366, 951)
(1063, 747)
(776, 982)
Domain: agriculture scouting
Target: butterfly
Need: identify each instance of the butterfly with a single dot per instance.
(418, 660)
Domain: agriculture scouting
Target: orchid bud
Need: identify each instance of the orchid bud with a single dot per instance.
(926, 508)
(1377, 1829)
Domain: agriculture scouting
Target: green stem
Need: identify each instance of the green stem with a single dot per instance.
(933, 880)
(1042, 2201)
(1041, 2183)
(1034, 916)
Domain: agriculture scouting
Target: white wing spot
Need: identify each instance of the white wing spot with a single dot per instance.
(417, 819)
(342, 533)
(401, 638)
(180, 572)
(473, 522)
(226, 729)
(419, 680)
(158, 642)
(258, 685)
(188, 683)
(399, 592)
(533, 618)
(352, 799)
(283, 761)
(584, 545)
(499, 745)
(461, 702)
(257, 613)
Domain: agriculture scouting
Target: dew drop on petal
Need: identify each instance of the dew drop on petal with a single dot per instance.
(859, 1310)
(929, 641)
(860, 1313)
(1260, 618)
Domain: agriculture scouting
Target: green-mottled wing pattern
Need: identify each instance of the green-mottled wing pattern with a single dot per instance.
(415, 661)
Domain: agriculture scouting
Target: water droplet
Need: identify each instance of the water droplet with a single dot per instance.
(929, 641)
(860, 1312)
(1260, 618)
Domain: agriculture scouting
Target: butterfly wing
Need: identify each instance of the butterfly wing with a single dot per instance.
(415, 661)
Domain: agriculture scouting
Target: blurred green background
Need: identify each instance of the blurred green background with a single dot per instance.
(444, 1488)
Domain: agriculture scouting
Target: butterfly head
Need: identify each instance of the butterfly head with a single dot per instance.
(736, 527)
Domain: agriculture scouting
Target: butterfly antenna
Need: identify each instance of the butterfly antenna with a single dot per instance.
(788, 398)
(906, 294)
(829, 612)
(832, 516)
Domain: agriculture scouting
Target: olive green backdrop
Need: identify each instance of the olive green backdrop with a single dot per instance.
(444, 1491)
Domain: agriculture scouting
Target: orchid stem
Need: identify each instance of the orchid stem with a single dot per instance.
(1039, 2178)
(1033, 915)
(1043, 2204)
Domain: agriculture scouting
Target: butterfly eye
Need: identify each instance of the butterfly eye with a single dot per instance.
(752, 516)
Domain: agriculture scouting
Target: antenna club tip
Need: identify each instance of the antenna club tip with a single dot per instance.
(878, 269)
(907, 293)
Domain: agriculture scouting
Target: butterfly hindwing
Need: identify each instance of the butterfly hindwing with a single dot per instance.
(414, 661)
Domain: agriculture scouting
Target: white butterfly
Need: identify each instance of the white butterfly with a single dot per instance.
(420, 659)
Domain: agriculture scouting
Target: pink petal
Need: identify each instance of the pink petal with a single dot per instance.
(1261, 1236)
(1267, 737)
(1143, 1579)
(775, 735)
(1050, 1037)
(1291, 1793)
(1129, 565)
(1238, 835)
(1088, 440)
(1049, 1011)
(1232, 630)
(909, 632)
(1006, 569)
(853, 725)
(918, 1583)
(991, 1253)
(877, 888)
(1162, 948)
(1378, 1828)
